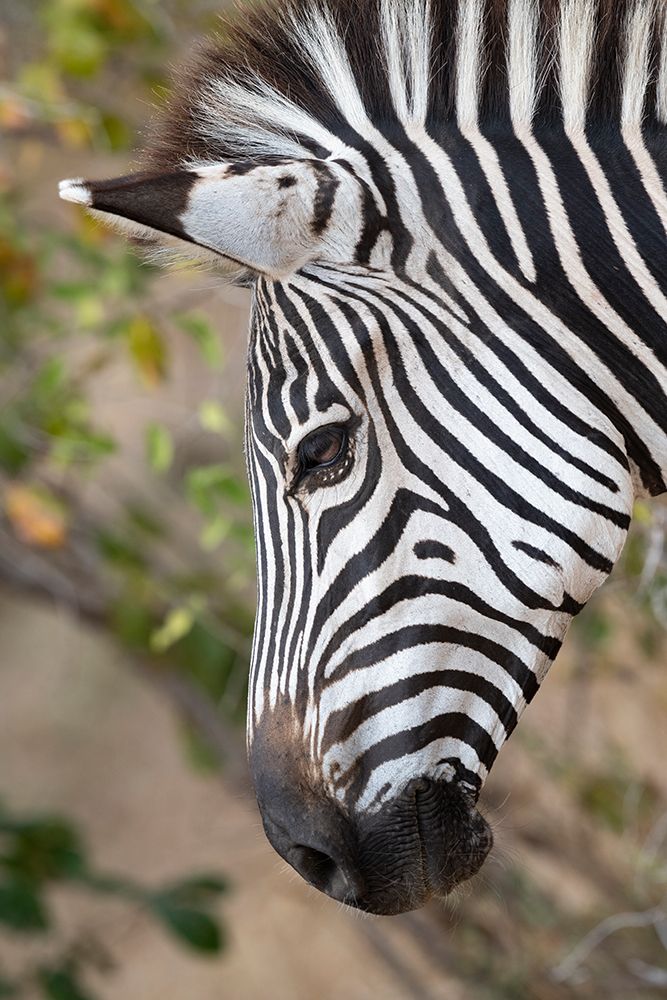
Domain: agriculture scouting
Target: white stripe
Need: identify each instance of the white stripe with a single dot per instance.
(617, 227)
(576, 45)
(469, 68)
(522, 61)
(661, 96)
(489, 162)
(411, 713)
(406, 33)
(565, 243)
(636, 70)
(324, 49)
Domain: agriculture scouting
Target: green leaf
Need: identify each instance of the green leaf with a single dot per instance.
(60, 984)
(196, 890)
(80, 445)
(14, 452)
(90, 311)
(131, 622)
(73, 292)
(198, 327)
(50, 379)
(123, 552)
(44, 849)
(214, 533)
(21, 908)
(7, 988)
(176, 625)
(195, 928)
(76, 47)
(208, 485)
(159, 447)
(117, 131)
(143, 521)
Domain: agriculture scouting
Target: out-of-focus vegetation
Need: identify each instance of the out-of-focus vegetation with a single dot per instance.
(162, 560)
(74, 302)
(40, 852)
(163, 564)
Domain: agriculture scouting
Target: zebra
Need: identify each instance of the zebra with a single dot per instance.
(452, 217)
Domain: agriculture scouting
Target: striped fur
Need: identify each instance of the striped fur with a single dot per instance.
(289, 76)
(507, 371)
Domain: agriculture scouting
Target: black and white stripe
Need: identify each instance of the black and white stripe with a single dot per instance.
(501, 353)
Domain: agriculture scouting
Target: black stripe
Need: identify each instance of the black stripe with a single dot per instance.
(536, 553)
(452, 725)
(342, 723)
(497, 487)
(411, 636)
(407, 588)
(325, 196)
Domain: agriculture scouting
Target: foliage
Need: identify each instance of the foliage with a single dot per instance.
(75, 303)
(162, 561)
(38, 853)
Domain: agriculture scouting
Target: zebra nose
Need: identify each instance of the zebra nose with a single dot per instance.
(323, 872)
(317, 841)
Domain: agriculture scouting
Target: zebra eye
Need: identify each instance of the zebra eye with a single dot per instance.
(323, 448)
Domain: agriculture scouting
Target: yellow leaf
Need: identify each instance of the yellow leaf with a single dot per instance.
(148, 349)
(73, 132)
(90, 230)
(36, 516)
(18, 274)
(642, 512)
(213, 418)
(14, 114)
(176, 625)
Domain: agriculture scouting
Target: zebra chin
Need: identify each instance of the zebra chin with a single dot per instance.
(420, 844)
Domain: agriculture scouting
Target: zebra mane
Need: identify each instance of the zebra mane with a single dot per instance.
(299, 78)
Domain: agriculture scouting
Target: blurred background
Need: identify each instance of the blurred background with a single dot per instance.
(132, 861)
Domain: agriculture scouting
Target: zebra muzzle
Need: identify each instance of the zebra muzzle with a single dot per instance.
(419, 845)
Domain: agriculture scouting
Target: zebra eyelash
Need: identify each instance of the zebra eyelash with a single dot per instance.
(244, 279)
(310, 480)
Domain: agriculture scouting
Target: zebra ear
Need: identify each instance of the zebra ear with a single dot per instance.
(271, 218)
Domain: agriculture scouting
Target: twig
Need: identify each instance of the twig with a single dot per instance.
(650, 974)
(611, 925)
(69, 580)
(655, 550)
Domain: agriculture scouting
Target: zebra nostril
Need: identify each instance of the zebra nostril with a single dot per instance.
(322, 872)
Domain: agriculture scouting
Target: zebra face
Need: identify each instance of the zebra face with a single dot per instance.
(430, 512)
(426, 530)
(456, 385)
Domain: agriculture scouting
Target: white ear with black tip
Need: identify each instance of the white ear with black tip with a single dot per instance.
(272, 218)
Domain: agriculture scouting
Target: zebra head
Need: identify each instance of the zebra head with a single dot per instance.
(455, 384)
